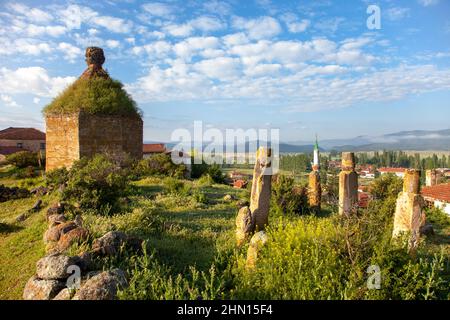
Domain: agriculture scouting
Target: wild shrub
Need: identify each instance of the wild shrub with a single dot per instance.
(23, 159)
(176, 187)
(199, 196)
(385, 186)
(215, 172)
(205, 181)
(159, 164)
(95, 183)
(287, 198)
(57, 177)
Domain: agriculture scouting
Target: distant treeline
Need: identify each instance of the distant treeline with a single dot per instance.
(403, 160)
(301, 162)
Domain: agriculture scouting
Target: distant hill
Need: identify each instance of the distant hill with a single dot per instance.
(419, 140)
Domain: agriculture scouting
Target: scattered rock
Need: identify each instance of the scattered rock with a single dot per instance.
(37, 205)
(242, 203)
(78, 220)
(56, 219)
(55, 209)
(64, 294)
(228, 197)
(245, 225)
(103, 286)
(76, 235)
(13, 193)
(54, 267)
(54, 233)
(257, 242)
(427, 230)
(22, 217)
(38, 289)
(110, 243)
(83, 260)
(39, 191)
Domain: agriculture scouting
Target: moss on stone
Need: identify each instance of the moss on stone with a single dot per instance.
(94, 95)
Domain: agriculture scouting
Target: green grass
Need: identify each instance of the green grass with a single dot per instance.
(95, 96)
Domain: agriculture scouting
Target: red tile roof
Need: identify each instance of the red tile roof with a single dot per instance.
(154, 148)
(22, 134)
(440, 192)
(392, 170)
(10, 150)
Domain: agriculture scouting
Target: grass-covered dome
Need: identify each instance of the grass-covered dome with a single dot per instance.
(95, 95)
(94, 92)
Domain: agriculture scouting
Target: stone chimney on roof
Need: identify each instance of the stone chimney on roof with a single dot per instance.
(94, 60)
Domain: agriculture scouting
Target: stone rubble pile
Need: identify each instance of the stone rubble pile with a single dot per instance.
(13, 193)
(54, 271)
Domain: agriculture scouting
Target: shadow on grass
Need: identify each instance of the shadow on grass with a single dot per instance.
(146, 190)
(7, 228)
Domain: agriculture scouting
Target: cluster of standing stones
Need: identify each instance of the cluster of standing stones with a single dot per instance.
(409, 219)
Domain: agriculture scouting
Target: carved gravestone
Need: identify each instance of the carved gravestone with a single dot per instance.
(348, 185)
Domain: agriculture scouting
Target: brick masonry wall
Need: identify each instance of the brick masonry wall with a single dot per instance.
(82, 135)
(31, 145)
(62, 141)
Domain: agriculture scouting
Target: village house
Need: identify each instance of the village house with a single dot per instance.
(438, 196)
(367, 171)
(13, 140)
(399, 172)
(149, 149)
(364, 196)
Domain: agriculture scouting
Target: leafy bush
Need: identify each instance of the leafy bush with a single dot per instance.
(57, 177)
(387, 185)
(95, 96)
(200, 197)
(215, 172)
(175, 186)
(205, 180)
(23, 159)
(159, 164)
(288, 198)
(95, 183)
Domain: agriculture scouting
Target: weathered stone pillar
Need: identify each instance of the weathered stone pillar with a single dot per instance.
(315, 190)
(257, 242)
(348, 185)
(431, 177)
(408, 212)
(256, 217)
(261, 188)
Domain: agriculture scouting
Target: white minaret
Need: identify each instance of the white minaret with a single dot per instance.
(316, 161)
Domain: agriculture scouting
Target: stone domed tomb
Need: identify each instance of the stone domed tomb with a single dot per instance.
(93, 115)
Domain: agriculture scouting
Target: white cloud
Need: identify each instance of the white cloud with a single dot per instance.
(74, 16)
(112, 44)
(54, 31)
(36, 100)
(69, 51)
(32, 80)
(8, 101)
(158, 9)
(32, 14)
(260, 28)
(294, 24)
(219, 68)
(206, 24)
(23, 46)
(397, 13)
(427, 3)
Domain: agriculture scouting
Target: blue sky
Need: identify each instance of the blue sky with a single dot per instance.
(301, 66)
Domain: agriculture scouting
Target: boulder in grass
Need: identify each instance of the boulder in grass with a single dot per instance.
(54, 233)
(39, 289)
(103, 286)
(54, 267)
(77, 235)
